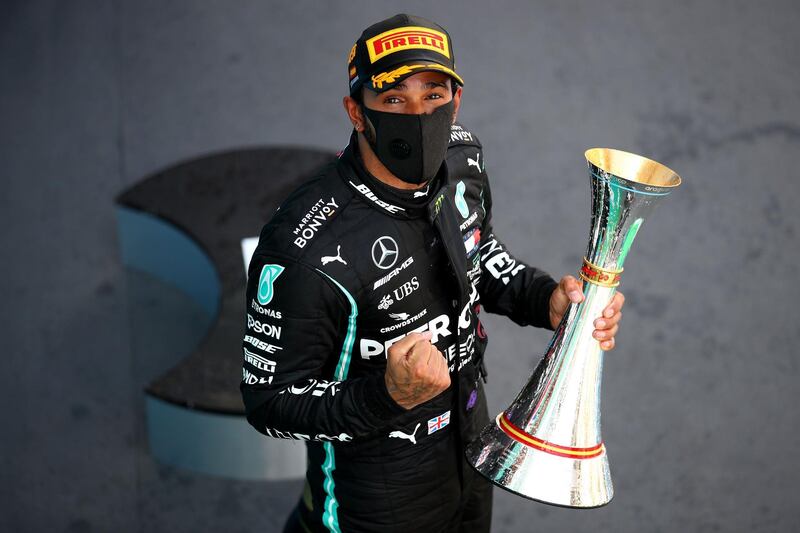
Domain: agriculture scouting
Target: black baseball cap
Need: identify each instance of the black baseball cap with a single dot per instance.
(393, 49)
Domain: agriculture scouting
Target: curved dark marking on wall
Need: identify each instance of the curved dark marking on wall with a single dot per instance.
(215, 201)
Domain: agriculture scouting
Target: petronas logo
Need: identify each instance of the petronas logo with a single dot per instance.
(461, 204)
(268, 276)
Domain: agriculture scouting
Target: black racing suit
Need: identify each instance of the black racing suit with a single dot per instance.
(346, 267)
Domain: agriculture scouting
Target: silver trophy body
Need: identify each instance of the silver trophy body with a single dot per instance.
(547, 444)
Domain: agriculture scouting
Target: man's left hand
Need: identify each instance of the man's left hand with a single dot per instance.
(570, 290)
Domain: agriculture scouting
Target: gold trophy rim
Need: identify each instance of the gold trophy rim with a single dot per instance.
(633, 167)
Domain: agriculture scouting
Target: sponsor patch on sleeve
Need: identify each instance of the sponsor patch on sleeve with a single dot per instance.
(459, 134)
(471, 241)
(269, 273)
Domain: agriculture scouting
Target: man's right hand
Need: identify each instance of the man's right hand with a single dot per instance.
(415, 370)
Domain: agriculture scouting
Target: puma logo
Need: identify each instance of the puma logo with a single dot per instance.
(476, 162)
(420, 194)
(331, 258)
(401, 435)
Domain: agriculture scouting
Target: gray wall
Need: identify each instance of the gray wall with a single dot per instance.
(700, 397)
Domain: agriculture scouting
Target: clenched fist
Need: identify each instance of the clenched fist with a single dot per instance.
(415, 370)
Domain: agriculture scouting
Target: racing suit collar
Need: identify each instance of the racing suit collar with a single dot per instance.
(398, 203)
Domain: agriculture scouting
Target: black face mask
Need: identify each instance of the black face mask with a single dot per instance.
(412, 147)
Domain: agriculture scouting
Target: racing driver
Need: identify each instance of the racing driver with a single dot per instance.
(363, 336)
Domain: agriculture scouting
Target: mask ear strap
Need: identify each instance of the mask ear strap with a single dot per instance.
(369, 128)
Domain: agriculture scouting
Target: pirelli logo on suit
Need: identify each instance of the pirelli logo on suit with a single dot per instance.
(407, 38)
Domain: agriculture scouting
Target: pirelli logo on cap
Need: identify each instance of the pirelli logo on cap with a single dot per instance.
(407, 38)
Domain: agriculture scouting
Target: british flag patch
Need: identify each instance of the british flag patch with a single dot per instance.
(438, 422)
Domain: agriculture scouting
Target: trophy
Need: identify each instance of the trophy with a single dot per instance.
(547, 444)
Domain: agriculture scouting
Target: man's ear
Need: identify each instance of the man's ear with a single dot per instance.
(456, 102)
(354, 114)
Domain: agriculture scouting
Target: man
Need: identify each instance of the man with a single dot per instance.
(363, 335)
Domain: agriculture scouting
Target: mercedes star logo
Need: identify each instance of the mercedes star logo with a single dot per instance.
(384, 252)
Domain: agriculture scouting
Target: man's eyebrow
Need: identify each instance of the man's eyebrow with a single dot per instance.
(428, 85)
(434, 84)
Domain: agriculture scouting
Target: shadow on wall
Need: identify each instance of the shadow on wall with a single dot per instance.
(189, 227)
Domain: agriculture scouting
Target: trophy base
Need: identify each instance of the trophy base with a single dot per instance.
(540, 475)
